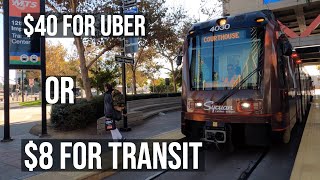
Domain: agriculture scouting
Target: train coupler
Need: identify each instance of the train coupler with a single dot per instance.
(215, 136)
(215, 132)
(220, 136)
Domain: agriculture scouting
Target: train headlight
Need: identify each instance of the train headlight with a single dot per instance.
(249, 106)
(260, 20)
(222, 22)
(198, 104)
(245, 105)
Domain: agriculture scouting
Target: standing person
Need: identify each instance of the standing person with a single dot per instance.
(109, 111)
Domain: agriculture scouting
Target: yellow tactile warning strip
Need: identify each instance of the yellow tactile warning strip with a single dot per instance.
(307, 163)
(174, 135)
(96, 175)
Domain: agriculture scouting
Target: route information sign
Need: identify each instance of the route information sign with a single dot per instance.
(124, 59)
(22, 49)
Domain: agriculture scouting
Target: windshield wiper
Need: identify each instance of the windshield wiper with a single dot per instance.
(236, 88)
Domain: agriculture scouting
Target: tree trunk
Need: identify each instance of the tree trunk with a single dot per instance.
(83, 68)
(153, 85)
(173, 77)
(134, 81)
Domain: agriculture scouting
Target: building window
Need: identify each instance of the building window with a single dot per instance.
(270, 1)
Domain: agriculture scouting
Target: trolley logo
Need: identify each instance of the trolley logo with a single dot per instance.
(210, 106)
(23, 4)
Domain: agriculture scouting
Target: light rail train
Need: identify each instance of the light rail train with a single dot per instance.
(240, 78)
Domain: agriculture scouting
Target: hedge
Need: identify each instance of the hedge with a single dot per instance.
(79, 115)
(148, 96)
(76, 116)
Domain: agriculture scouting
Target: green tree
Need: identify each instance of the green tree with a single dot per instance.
(151, 69)
(57, 63)
(33, 74)
(105, 71)
(102, 44)
(178, 76)
(140, 78)
(100, 77)
(210, 9)
(171, 39)
(160, 86)
(142, 57)
(153, 10)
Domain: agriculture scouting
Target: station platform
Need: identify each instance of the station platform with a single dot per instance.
(307, 163)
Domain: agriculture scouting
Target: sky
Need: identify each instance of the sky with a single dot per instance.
(192, 7)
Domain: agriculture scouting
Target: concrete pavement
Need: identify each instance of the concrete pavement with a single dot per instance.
(276, 165)
(23, 119)
(307, 164)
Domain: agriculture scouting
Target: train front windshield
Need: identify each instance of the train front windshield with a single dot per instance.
(222, 59)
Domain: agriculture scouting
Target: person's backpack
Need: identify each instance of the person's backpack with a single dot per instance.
(117, 98)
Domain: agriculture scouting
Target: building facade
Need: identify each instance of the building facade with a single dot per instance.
(298, 19)
(233, 7)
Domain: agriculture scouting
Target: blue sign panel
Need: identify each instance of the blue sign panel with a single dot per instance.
(270, 1)
(131, 43)
(131, 10)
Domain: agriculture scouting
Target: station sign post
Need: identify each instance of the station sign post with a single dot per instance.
(128, 6)
(22, 52)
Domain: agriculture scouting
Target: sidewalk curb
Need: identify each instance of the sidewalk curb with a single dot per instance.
(21, 107)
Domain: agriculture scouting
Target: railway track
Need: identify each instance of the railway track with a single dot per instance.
(243, 176)
(252, 166)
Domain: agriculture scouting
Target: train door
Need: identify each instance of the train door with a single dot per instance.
(287, 87)
(284, 92)
(294, 114)
(291, 113)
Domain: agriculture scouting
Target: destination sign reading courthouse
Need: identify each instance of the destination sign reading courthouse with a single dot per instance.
(222, 37)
